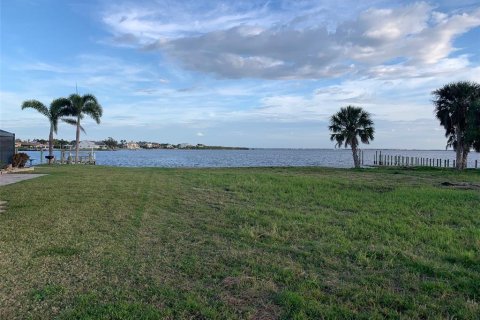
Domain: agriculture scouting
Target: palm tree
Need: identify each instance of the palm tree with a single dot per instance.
(58, 109)
(348, 125)
(457, 106)
(79, 107)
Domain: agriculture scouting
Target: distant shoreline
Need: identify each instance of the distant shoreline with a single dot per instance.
(126, 149)
(240, 148)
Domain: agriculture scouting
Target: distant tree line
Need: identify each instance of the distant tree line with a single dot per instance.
(57, 143)
(111, 143)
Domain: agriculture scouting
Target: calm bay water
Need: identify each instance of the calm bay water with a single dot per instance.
(339, 158)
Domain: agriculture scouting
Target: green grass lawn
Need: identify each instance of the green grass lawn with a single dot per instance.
(92, 242)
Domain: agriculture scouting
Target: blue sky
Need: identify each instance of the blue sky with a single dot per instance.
(237, 73)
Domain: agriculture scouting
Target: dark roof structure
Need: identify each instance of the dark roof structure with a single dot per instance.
(7, 147)
(4, 133)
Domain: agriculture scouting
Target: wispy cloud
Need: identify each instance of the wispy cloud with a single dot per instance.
(257, 44)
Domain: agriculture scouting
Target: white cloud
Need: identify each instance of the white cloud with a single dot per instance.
(254, 43)
(167, 20)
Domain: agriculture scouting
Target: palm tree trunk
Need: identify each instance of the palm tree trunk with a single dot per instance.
(50, 145)
(464, 157)
(459, 150)
(356, 159)
(77, 140)
(459, 158)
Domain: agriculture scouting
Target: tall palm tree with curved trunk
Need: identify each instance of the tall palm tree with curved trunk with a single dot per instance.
(457, 106)
(79, 107)
(350, 125)
(57, 110)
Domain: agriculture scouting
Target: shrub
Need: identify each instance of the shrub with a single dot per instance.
(19, 160)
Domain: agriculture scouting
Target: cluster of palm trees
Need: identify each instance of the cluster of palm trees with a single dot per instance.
(70, 110)
(457, 106)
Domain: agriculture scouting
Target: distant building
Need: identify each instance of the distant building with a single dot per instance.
(132, 145)
(87, 145)
(183, 145)
(101, 146)
(34, 145)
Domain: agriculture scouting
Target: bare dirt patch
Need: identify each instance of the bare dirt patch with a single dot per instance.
(461, 185)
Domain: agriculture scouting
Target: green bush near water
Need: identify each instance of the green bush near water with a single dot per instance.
(88, 242)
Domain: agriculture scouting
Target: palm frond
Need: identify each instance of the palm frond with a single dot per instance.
(60, 107)
(88, 97)
(37, 105)
(73, 122)
(85, 105)
(348, 124)
(94, 110)
(76, 104)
